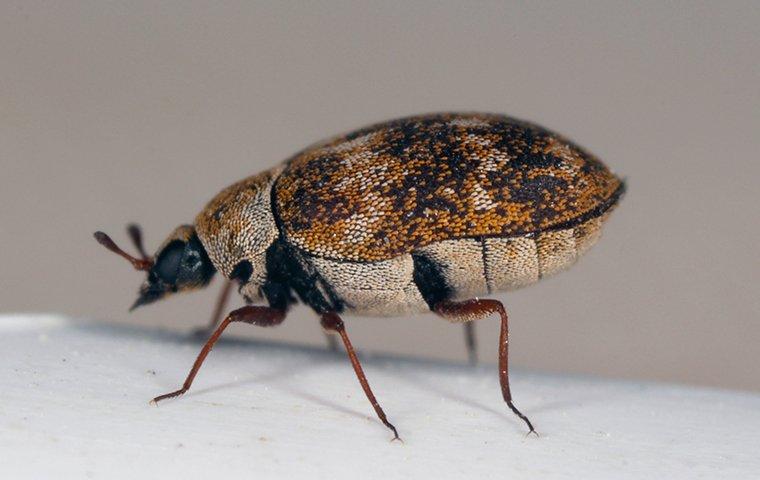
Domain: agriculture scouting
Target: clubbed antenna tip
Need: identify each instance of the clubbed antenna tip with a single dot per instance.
(144, 263)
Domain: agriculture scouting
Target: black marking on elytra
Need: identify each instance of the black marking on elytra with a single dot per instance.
(430, 281)
(532, 190)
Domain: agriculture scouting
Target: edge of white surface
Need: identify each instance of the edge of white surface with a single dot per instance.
(16, 322)
(75, 404)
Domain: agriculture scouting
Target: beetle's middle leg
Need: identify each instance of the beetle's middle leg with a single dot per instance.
(254, 315)
(333, 323)
(476, 309)
(470, 342)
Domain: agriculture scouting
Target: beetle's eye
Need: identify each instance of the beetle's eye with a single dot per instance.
(168, 261)
(192, 260)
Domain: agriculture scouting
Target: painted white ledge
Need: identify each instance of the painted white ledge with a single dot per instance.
(74, 404)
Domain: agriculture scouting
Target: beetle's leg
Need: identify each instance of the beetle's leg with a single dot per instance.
(470, 310)
(333, 323)
(216, 314)
(221, 303)
(469, 341)
(216, 317)
(255, 315)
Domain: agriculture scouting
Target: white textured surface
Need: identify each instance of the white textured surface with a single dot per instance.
(74, 404)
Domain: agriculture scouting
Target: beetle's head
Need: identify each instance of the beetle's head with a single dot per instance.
(181, 263)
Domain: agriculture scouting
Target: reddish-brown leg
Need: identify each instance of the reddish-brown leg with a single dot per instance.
(333, 323)
(216, 314)
(469, 341)
(254, 315)
(470, 310)
(219, 307)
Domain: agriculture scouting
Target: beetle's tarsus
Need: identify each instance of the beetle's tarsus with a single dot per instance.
(523, 417)
(167, 396)
(392, 429)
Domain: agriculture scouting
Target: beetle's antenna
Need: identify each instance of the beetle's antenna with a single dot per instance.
(139, 263)
(135, 233)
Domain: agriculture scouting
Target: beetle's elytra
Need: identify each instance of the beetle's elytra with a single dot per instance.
(426, 213)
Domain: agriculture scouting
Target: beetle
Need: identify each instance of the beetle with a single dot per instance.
(420, 214)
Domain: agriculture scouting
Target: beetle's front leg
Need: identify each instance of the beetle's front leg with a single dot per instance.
(476, 309)
(332, 344)
(216, 316)
(255, 315)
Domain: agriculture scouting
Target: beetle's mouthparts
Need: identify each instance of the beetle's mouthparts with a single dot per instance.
(144, 263)
(147, 295)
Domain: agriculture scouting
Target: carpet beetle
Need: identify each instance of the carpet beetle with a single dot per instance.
(419, 214)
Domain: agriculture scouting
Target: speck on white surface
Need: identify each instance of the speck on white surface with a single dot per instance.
(74, 404)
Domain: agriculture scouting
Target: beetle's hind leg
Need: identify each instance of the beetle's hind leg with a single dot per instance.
(333, 323)
(254, 315)
(470, 310)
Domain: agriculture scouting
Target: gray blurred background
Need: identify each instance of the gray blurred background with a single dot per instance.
(141, 111)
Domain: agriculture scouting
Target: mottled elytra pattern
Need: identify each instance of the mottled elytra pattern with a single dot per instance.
(395, 187)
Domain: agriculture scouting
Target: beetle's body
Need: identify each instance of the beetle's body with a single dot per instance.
(393, 218)
(424, 213)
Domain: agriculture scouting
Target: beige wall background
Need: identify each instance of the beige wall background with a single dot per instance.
(140, 111)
